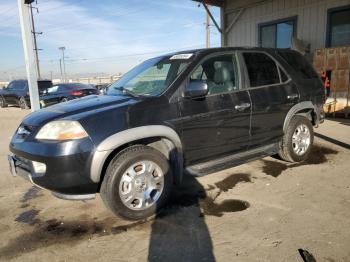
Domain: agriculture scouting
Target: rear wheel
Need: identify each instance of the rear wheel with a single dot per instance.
(23, 103)
(297, 140)
(2, 102)
(137, 183)
(65, 99)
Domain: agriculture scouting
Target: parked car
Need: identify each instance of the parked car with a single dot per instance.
(17, 93)
(193, 111)
(65, 92)
(102, 88)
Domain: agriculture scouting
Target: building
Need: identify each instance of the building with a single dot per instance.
(274, 23)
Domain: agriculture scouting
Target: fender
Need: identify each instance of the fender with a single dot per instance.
(106, 147)
(296, 108)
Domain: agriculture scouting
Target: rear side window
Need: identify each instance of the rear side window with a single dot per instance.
(299, 64)
(262, 70)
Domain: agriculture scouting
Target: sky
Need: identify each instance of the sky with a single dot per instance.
(102, 37)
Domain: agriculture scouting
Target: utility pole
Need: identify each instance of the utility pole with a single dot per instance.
(62, 48)
(30, 61)
(61, 69)
(34, 39)
(207, 27)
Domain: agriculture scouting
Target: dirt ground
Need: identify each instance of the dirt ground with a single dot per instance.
(261, 211)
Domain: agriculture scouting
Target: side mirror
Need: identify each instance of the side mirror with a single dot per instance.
(196, 89)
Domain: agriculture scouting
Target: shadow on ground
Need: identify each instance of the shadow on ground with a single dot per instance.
(318, 155)
(178, 232)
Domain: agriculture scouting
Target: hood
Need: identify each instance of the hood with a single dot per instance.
(76, 106)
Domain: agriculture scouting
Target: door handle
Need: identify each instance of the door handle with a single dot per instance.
(242, 107)
(292, 96)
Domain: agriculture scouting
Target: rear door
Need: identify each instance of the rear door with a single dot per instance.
(52, 95)
(272, 93)
(218, 124)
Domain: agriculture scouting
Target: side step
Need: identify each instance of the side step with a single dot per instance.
(231, 161)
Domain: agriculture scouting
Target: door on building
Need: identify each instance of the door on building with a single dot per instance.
(338, 26)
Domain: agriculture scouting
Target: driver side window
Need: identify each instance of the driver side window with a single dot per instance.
(219, 73)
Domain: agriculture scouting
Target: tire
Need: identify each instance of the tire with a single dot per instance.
(297, 149)
(23, 103)
(65, 99)
(121, 191)
(3, 102)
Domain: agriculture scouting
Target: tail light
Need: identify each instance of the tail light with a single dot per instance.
(76, 93)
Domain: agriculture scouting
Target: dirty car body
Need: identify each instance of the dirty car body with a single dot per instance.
(201, 111)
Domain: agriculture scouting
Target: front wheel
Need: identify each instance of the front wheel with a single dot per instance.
(137, 183)
(297, 140)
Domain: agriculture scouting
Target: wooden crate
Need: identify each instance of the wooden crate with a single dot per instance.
(319, 59)
(341, 80)
(332, 57)
(343, 57)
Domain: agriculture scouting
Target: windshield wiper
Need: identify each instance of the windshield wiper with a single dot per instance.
(127, 91)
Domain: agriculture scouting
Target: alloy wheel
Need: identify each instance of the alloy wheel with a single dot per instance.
(301, 139)
(141, 185)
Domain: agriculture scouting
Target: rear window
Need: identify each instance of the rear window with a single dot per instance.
(262, 70)
(299, 63)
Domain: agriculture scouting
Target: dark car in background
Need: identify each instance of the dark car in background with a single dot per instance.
(17, 93)
(102, 88)
(65, 92)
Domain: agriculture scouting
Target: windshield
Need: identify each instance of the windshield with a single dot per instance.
(150, 78)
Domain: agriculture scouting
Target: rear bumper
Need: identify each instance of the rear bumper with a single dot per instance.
(67, 172)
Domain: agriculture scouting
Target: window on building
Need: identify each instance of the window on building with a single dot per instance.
(277, 34)
(338, 27)
(262, 70)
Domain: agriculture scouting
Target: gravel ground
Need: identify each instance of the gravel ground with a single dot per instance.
(260, 211)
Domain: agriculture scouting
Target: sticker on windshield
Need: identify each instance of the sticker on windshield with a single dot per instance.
(181, 56)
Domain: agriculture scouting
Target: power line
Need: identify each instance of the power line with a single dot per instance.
(132, 55)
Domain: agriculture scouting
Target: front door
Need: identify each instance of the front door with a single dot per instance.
(218, 124)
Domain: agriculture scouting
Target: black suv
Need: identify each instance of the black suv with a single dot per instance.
(184, 113)
(17, 93)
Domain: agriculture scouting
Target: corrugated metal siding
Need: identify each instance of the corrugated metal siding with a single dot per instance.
(311, 21)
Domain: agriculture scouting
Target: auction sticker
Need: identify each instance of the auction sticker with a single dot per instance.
(181, 56)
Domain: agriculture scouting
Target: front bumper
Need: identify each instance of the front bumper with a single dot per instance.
(68, 164)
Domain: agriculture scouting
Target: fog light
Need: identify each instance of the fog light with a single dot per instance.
(39, 168)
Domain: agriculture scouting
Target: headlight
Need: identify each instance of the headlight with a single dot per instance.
(61, 130)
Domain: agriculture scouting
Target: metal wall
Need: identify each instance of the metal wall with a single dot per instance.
(311, 21)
